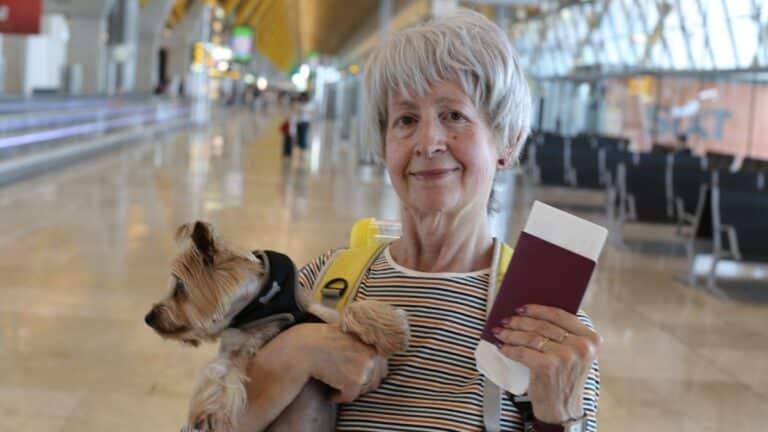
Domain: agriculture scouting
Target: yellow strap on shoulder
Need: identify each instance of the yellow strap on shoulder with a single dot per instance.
(342, 275)
(363, 233)
(504, 258)
(341, 278)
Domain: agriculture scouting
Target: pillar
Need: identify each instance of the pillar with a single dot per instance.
(151, 23)
(123, 46)
(88, 48)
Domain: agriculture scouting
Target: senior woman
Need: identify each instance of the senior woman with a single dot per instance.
(448, 106)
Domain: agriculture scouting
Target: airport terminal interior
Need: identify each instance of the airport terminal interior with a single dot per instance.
(122, 119)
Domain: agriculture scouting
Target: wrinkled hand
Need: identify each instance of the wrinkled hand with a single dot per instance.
(559, 351)
(341, 361)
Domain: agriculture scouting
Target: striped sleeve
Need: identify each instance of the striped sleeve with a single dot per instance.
(309, 273)
(592, 386)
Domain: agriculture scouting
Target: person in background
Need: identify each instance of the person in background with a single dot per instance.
(285, 130)
(303, 120)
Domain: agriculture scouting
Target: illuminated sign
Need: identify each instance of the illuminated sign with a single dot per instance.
(242, 40)
(20, 16)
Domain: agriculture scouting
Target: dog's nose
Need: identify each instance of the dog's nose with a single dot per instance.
(151, 318)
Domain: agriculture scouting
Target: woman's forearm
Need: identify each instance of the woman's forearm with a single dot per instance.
(276, 376)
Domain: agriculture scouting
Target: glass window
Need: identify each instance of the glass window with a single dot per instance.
(636, 33)
(620, 34)
(719, 35)
(745, 32)
(689, 10)
(588, 55)
(675, 39)
(659, 56)
(566, 49)
(651, 13)
(739, 8)
(764, 13)
(691, 22)
(698, 43)
(604, 41)
(580, 21)
(762, 54)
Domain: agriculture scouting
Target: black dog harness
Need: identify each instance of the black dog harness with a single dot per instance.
(277, 297)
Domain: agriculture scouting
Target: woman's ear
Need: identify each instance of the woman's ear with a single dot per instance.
(505, 158)
(507, 154)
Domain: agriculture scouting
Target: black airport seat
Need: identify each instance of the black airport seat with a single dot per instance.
(585, 164)
(645, 189)
(739, 215)
(689, 183)
(719, 161)
(549, 161)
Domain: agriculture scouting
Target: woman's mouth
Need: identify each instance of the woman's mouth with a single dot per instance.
(433, 174)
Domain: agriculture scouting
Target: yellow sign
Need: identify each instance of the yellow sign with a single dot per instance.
(198, 54)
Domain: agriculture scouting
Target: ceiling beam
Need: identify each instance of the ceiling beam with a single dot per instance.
(260, 12)
(180, 9)
(246, 10)
(229, 5)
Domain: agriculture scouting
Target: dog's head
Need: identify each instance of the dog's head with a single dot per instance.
(209, 284)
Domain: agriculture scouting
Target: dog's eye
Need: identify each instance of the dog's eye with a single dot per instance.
(178, 289)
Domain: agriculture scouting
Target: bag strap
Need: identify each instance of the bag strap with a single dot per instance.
(492, 394)
(341, 276)
(491, 391)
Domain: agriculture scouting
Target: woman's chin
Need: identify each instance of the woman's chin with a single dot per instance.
(433, 204)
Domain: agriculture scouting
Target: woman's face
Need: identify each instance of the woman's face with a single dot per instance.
(439, 151)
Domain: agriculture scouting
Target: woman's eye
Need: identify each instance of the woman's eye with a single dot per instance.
(455, 116)
(405, 121)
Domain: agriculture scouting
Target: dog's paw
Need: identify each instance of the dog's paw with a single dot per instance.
(208, 423)
(219, 398)
(377, 324)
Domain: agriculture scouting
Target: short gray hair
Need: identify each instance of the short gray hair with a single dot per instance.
(463, 47)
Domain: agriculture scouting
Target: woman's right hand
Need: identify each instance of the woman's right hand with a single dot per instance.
(341, 361)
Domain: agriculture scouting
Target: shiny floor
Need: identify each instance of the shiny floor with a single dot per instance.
(84, 253)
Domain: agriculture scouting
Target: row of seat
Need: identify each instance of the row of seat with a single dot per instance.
(701, 195)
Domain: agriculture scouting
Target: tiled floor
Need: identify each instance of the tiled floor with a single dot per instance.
(84, 253)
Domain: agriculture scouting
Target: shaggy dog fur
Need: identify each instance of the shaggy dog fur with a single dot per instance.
(210, 284)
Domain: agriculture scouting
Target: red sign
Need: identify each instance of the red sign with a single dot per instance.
(20, 16)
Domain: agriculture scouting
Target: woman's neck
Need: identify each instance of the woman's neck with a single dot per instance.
(440, 242)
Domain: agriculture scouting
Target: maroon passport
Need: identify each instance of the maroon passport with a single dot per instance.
(540, 273)
(551, 265)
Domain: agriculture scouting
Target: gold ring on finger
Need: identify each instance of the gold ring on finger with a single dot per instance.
(542, 343)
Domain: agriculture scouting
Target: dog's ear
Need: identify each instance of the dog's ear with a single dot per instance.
(202, 238)
(182, 232)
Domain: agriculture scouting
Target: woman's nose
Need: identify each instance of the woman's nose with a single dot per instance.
(432, 139)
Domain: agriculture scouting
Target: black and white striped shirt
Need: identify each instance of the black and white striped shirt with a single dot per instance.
(434, 385)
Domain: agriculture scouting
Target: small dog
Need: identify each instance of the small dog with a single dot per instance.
(244, 300)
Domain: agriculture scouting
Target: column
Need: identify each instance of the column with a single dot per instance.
(2, 67)
(123, 45)
(193, 28)
(197, 78)
(88, 48)
(151, 22)
(15, 55)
